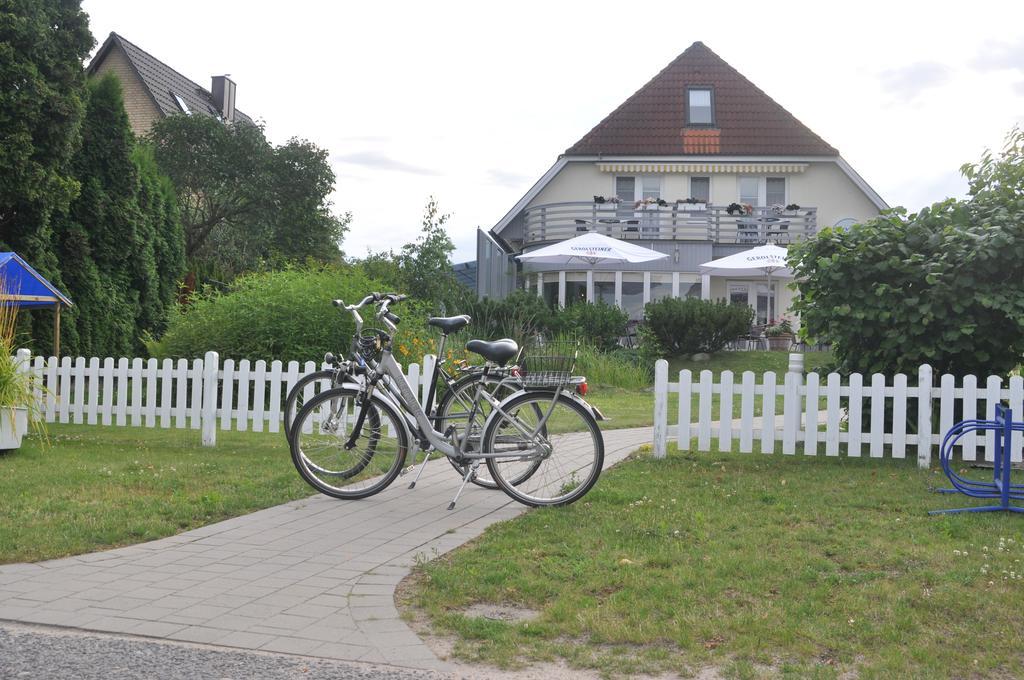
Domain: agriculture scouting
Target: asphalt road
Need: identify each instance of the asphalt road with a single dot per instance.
(31, 652)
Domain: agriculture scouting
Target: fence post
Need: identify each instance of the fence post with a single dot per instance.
(924, 417)
(209, 413)
(660, 408)
(796, 362)
(23, 364)
(428, 371)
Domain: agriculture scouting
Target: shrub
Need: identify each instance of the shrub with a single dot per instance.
(600, 324)
(284, 315)
(939, 287)
(688, 326)
(519, 316)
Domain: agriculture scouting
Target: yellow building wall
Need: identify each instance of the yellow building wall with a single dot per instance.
(142, 112)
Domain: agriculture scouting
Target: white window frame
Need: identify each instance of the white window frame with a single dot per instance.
(785, 192)
(760, 188)
(753, 291)
(638, 184)
(708, 178)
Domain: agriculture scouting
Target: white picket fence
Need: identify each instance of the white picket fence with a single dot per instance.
(814, 420)
(202, 394)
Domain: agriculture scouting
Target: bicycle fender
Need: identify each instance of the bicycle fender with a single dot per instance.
(598, 416)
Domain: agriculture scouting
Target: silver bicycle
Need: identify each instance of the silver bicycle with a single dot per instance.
(541, 443)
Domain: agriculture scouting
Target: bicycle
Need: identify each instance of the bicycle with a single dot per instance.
(541, 444)
(453, 407)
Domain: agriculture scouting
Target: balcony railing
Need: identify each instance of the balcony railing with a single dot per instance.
(675, 222)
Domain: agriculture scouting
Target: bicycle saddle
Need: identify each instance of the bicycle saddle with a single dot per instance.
(449, 324)
(499, 351)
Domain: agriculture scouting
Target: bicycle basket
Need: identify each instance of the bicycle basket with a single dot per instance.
(549, 364)
(368, 343)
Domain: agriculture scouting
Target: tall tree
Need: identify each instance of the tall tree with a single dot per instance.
(42, 46)
(119, 242)
(244, 202)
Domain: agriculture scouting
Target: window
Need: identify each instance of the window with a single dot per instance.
(181, 103)
(650, 186)
(775, 191)
(700, 106)
(625, 189)
(749, 187)
(550, 290)
(604, 288)
(633, 294)
(575, 288)
(700, 188)
(739, 294)
(661, 286)
(765, 304)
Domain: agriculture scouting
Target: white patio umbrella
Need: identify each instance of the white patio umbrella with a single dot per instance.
(591, 248)
(769, 260)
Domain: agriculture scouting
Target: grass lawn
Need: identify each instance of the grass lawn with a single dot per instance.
(631, 408)
(756, 565)
(100, 487)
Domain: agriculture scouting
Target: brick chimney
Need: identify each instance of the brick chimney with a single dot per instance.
(223, 90)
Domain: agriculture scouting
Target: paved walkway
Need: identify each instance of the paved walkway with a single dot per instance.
(314, 577)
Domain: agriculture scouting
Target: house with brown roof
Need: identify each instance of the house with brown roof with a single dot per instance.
(699, 164)
(153, 90)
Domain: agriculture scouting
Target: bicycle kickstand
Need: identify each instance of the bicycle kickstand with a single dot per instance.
(426, 457)
(470, 473)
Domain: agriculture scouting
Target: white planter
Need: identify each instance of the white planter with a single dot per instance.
(13, 426)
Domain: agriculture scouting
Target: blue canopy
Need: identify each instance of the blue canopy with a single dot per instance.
(24, 287)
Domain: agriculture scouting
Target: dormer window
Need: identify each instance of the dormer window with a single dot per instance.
(700, 106)
(181, 103)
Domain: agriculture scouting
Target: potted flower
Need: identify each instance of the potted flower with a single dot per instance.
(792, 209)
(16, 388)
(694, 204)
(779, 334)
(737, 209)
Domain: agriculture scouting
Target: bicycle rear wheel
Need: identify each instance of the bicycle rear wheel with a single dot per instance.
(454, 409)
(544, 459)
(325, 458)
(293, 403)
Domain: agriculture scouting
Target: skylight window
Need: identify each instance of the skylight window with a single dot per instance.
(700, 106)
(181, 103)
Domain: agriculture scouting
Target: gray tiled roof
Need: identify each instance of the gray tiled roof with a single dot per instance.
(163, 82)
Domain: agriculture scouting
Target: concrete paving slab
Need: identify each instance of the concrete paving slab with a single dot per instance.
(311, 577)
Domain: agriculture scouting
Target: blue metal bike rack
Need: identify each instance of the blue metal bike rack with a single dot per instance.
(1000, 486)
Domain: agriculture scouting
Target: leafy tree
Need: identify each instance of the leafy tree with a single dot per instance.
(422, 267)
(243, 202)
(942, 286)
(119, 241)
(42, 46)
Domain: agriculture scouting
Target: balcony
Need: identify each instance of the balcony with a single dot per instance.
(675, 222)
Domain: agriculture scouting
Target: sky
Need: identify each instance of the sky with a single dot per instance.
(472, 102)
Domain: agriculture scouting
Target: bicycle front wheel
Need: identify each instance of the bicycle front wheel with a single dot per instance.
(550, 449)
(336, 459)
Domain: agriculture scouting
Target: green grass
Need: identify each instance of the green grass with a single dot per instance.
(782, 566)
(737, 362)
(100, 487)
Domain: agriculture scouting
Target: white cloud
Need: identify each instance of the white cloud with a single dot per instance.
(379, 161)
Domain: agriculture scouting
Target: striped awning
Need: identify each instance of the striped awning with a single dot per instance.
(706, 168)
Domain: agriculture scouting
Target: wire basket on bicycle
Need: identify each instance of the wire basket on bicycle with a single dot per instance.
(548, 364)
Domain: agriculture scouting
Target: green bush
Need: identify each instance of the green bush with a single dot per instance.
(689, 325)
(939, 287)
(519, 316)
(284, 315)
(600, 324)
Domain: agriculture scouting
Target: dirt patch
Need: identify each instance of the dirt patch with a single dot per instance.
(508, 613)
